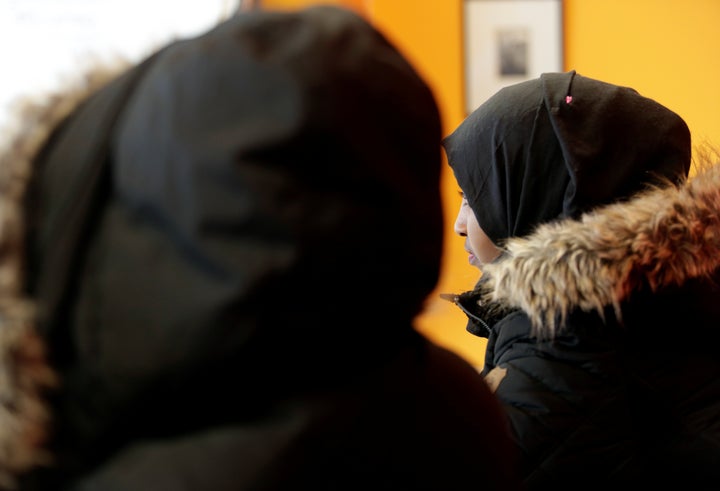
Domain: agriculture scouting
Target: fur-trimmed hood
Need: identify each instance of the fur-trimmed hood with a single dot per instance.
(240, 200)
(662, 237)
(25, 374)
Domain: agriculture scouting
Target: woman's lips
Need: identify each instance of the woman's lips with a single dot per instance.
(471, 257)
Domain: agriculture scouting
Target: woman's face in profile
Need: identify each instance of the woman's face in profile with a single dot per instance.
(481, 249)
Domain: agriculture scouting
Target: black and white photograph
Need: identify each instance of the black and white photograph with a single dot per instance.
(508, 41)
(512, 44)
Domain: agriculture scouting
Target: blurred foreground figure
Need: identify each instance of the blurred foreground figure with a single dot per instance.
(222, 250)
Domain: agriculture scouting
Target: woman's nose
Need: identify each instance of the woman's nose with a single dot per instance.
(460, 226)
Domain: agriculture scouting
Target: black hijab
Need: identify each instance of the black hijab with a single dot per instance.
(560, 145)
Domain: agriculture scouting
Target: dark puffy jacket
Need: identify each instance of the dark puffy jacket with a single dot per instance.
(627, 388)
(224, 248)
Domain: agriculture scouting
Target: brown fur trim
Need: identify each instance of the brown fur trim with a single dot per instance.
(25, 374)
(661, 237)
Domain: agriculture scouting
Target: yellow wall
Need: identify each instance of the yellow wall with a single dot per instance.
(666, 49)
(429, 32)
(357, 5)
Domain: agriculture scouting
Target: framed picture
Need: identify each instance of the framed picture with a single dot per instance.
(509, 41)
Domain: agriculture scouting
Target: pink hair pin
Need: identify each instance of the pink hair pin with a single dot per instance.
(568, 99)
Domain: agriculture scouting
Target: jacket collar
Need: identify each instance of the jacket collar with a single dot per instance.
(660, 238)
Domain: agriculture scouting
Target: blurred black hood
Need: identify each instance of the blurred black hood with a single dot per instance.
(263, 186)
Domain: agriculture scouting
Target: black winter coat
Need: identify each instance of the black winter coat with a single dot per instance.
(226, 247)
(609, 370)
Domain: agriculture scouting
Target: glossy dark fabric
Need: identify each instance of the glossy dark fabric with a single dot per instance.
(610, 402)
